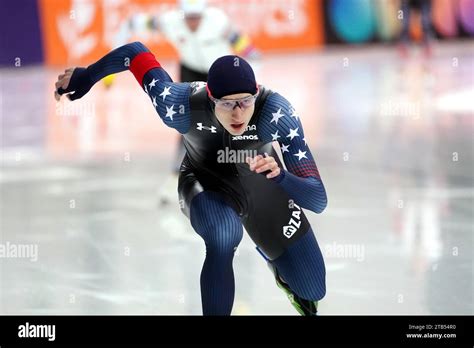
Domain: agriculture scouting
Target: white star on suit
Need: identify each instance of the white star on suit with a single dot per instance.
(293, 113)
(275, 136)
(146, 90)
(300, 155)
(293, 133)
(154, 102)
(152, 83)
(284, 148)
(304, 139)
(276, 116)
(170, 112)
(166, 91)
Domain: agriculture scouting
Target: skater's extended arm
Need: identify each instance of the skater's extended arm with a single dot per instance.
(170, 100)
(279, 122)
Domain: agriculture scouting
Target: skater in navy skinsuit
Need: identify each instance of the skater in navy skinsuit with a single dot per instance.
(231, 175)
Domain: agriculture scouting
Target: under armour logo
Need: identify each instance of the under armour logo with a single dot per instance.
(211, 128)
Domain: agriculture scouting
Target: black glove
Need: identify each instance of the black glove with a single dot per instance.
(79, 84)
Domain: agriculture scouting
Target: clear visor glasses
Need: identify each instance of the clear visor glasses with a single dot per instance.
(231, 104)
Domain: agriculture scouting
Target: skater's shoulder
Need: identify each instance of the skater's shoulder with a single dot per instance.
(277, 112)
(274, 100)
(197, 87)
(198, 98)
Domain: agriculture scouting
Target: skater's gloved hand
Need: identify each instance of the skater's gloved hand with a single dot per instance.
(76, 82)
(260, 164)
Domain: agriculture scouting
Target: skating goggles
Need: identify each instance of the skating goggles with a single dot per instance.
(231, 104)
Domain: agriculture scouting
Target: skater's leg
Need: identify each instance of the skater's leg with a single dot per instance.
(220, 227)
(302, 268)
(301, 274)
